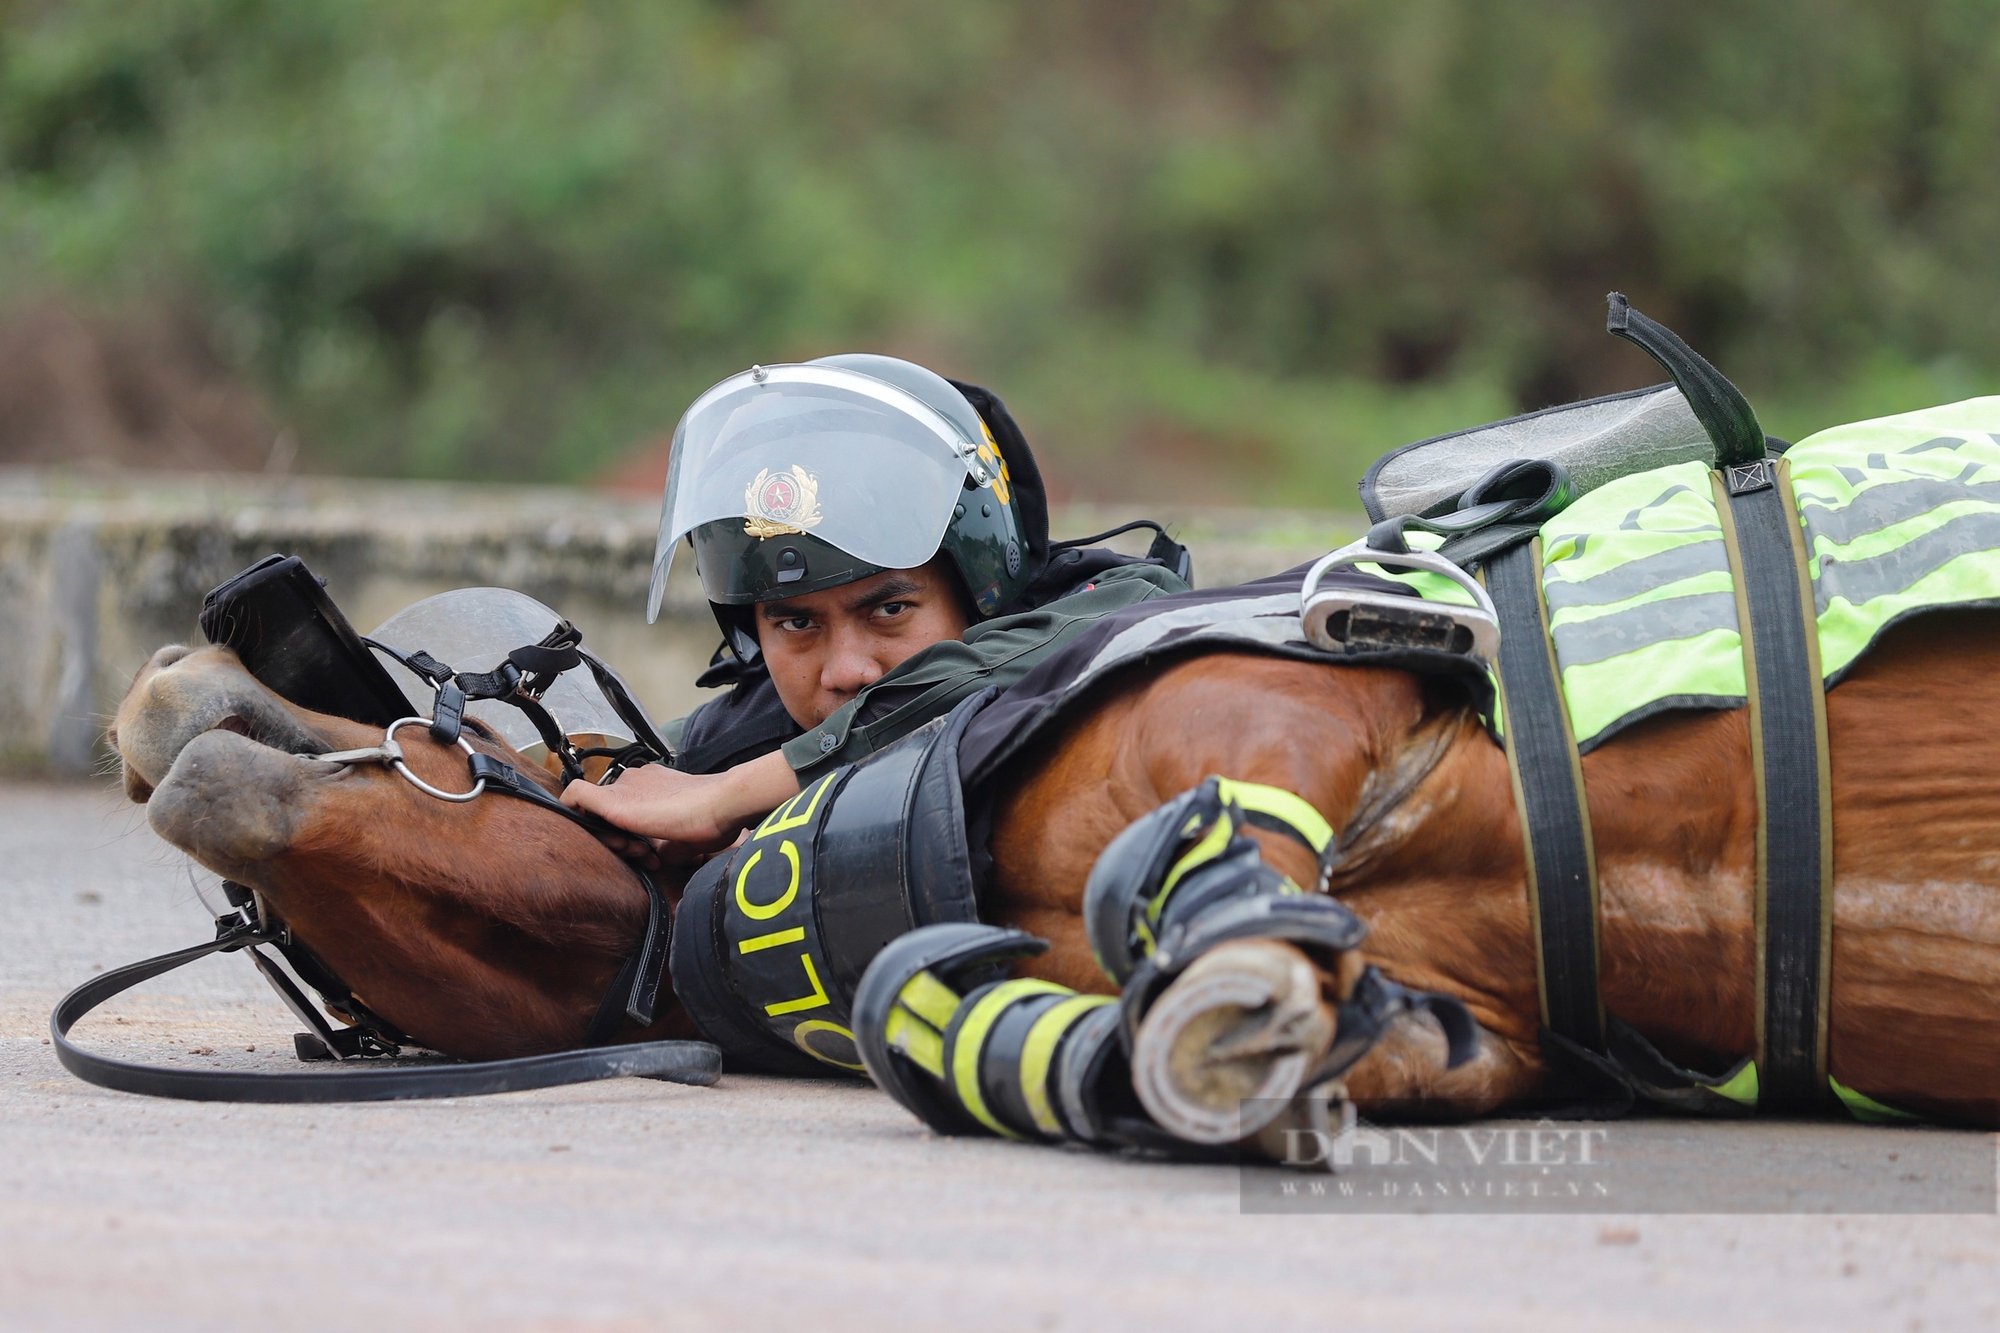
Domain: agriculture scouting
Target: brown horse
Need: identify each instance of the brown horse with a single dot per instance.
(485, 930)
(494, 928)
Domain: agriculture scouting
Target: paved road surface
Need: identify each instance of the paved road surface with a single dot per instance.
(762, 1203)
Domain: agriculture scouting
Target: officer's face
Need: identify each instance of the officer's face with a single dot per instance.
(824, 647)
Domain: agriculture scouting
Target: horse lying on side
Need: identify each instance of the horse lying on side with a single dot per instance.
(1432, 859)
(486, 930)
(1301, 865)
(494, 928)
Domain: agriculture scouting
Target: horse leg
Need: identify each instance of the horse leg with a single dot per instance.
(1230, 971)
(1235, 984)
(1256, 1022)
(1237, 1016)
(1238, 1030)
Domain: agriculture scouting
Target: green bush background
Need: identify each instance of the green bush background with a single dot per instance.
(1241, 245)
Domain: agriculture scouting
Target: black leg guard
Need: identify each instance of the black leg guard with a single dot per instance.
(1185, 878)
(969, 1052)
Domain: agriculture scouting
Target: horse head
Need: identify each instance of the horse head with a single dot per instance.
(484, 929)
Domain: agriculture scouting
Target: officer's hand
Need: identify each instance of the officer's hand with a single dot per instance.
(686, 816)
(674, 815)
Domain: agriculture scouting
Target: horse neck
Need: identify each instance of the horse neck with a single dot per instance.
(475, 957)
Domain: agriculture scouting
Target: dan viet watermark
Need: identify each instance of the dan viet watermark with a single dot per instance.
(1633, 1166)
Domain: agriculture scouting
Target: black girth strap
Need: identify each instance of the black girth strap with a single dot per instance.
(1494, 529)
(1787, 701)
(1549, 795)
(1789, 755)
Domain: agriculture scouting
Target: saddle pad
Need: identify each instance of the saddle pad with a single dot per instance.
(1901, 516)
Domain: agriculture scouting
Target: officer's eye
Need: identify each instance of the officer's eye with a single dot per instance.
(890, 610)
(794, 624)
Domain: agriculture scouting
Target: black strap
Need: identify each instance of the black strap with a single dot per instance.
(1172, 554)
(1367, 1011)
(1789, 756)
(693, 1062)
(1505, 507)
(1718, 405)
(1549, 795)
(1496, 529)
(635, 993)
(1787, 701)
(623, 702)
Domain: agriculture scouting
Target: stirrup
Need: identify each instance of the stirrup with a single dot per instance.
(1353, 621)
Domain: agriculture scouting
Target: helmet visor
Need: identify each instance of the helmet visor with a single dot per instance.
(856, 462)
(473, 629)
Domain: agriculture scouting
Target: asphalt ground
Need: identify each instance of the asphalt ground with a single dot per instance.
(767, 1203)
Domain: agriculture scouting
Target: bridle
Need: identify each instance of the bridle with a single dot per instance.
(639, 980)
(391, 754)
(249, 926)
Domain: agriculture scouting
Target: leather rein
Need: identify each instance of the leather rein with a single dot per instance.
(249, 927)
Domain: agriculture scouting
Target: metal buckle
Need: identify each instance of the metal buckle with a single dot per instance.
(393, 754)
(390, 753)
(236, 921)
(1351, 620)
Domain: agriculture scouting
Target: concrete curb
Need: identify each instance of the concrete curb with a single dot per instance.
(97, 573)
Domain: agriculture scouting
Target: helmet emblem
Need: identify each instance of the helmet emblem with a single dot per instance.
(778, 503)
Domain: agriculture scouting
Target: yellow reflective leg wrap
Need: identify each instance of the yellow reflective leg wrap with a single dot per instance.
(1287, 811)
(969, 1041)
(994, 1051)
(916, 1025)
(969, 1054)
(929, 999)
(1212, 845)
(1039, 1051)
(1266, 807)
(1192, 852)
(918, 1040)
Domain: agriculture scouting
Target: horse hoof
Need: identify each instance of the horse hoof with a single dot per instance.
(1224, 1048)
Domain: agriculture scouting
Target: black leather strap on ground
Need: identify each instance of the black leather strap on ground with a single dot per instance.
(694, 1062)
(1789, 755)
(1548, 792)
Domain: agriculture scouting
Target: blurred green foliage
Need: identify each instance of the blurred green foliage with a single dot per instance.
(514, 237)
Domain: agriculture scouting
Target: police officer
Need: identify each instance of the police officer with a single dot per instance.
(873, 539)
